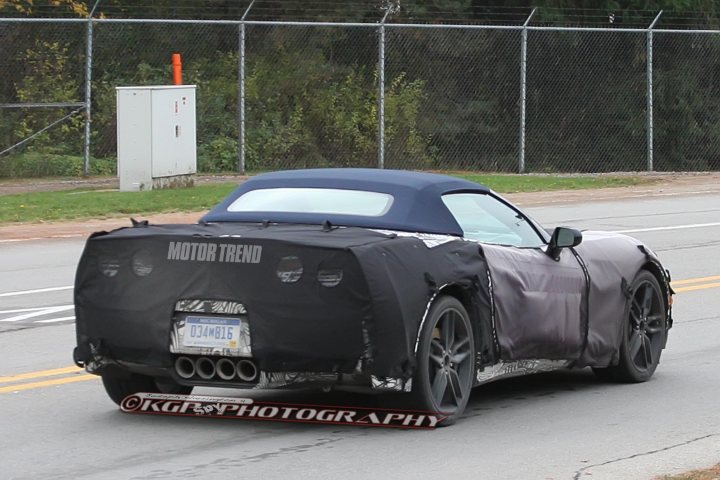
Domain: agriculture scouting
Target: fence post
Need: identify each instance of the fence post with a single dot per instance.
(523, 90)
(381, 91)
(649, 127)
(241, 102)
(88, 87)
(241, 96)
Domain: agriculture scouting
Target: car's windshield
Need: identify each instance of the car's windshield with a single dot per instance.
(484, 218)
(314, 200)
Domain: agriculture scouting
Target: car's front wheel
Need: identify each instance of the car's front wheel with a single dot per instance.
(644, 332)
(446, 360)
(120, 385)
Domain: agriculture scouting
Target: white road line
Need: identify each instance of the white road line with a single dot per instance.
(53, 320)
(10, 240)
(34, 309)
(674, 227)
(39, 290)
(38, 313)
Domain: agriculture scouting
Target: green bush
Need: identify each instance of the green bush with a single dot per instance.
(219, 155)
(51, 77)
(36, 164)
(304, 110)
(305, 107)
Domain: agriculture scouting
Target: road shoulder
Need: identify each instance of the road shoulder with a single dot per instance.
(669, 185)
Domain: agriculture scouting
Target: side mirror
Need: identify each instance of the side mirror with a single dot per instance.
(563, 237)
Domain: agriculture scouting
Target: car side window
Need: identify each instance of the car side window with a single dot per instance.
(484, 218)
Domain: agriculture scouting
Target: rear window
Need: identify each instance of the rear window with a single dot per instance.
(314, 200)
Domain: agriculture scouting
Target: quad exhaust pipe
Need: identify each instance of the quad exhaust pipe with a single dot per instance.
(246, 370)
(185, 367)
(205, 368)
(224, 368)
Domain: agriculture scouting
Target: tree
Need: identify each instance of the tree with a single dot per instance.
(30, 7)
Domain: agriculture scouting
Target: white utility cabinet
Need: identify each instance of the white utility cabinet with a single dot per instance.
(156, 137)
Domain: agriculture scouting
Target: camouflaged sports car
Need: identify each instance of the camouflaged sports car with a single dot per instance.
(389, 280)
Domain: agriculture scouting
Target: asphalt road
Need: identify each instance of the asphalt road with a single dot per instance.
(58, 423)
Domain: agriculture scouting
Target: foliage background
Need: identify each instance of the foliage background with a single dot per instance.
(452, 96)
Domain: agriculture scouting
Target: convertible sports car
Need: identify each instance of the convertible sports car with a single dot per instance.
(399, 281)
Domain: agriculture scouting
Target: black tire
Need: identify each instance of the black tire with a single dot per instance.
(445, 361)
(120, 385)
(643, 334)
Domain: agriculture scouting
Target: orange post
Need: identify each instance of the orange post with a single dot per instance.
(177, 69)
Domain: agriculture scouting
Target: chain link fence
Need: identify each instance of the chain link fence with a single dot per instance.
(586, 101)
(275, 95)
(137, 54)
(311, 97)
(686, 79)
(467, 87)
(41, 105)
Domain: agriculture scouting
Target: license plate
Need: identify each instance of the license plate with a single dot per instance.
(211, 332)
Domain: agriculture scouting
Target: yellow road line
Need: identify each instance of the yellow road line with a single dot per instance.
(39, 374)
(48, 383)
(697, 287)
(696, 280)
(85, 377)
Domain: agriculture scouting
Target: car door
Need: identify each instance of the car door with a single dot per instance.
(539, 303)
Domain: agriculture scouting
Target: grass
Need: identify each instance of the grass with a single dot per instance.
(77, 204)
(81, 204)
(536, 183)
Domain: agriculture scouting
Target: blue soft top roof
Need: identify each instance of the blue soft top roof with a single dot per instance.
(417, 205)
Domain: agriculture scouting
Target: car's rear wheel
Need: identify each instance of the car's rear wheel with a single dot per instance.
(119, 385)
(644, 332)
(446, 361)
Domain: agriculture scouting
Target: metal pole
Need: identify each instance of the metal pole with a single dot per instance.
(241, 96)
(42, 105)
(381, 92)
(88, 95)
(523, 91)
(649, 128)
(433, 26)
(241, 102)
(88, 87)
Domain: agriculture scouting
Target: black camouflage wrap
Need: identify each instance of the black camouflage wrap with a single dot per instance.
(570, 309)
(370, 319)
(613, 260)
(524, 305)
(540, 303)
